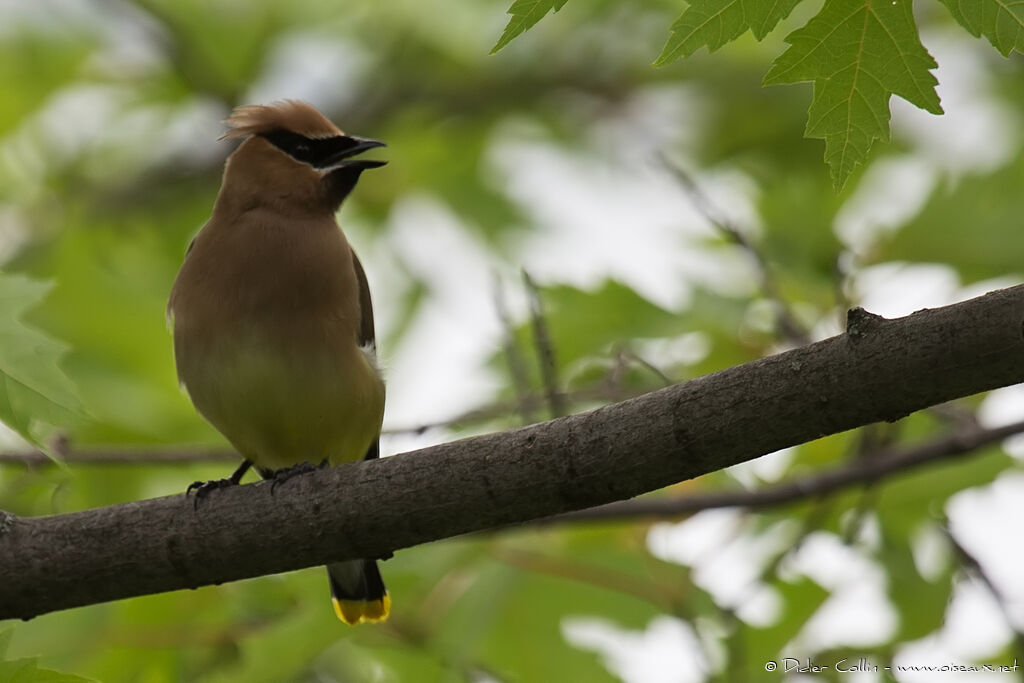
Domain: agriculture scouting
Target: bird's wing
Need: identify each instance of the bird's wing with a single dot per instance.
(367, 334)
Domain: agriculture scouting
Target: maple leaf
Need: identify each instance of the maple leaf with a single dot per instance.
(35, 394)
(857, 53)
(1001, 21)
(525, 13)
(716, 22)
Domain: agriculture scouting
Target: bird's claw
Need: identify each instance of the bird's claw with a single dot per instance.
(281, 476)
(203, 488)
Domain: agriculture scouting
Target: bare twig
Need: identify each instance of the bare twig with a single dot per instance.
(516, 366)
(790, 327)
(870, 441)
(634, 357)
(545, 349)
(596, 576)
(959, 416)
(122, 456)
(531, 403)
(140, 455)
(840, 276)
(974, 568)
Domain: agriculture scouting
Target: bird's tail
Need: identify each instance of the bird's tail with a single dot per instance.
(358, 592)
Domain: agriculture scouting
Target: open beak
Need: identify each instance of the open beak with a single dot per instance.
(352, 146)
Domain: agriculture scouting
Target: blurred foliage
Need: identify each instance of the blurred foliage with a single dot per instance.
(856, 53)
(27, 670)
(108, 166)
(33, 390)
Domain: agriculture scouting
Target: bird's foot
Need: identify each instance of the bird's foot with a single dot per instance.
(203, 488)
(281, 476)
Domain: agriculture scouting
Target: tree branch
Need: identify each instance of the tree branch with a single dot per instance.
(863, 471)
(879, 370)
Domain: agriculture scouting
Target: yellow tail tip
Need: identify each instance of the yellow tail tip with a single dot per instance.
(354, 612)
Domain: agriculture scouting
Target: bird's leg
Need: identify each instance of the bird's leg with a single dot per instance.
(202, 488)
(283, 475)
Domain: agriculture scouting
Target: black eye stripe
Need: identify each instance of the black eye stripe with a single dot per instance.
(313, 151)
(292, 144)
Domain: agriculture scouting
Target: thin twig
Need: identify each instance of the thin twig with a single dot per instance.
(139, 455)
(869, 441)
(790, 327)
(633, 356)
(596, 576)
(545, 349)
(531, 403)
(840, 276)
(513, 356)
(956, 414)
(974, 568)
(134, 455)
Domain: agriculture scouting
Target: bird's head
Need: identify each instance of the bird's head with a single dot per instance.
(292, 156)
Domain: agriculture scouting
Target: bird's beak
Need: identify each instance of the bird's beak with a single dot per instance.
(352, 146)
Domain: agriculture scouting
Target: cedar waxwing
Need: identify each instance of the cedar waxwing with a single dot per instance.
(273, 325)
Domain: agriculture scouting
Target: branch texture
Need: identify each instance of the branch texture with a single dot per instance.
(879, 370)
(860, 472)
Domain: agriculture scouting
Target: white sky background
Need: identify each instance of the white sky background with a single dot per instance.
(578, 240)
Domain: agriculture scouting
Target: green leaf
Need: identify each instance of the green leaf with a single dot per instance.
(973, 218)
(921, 603)
(35, 394)
(525, 13)
(32, 67)
(858, 53)
(27, 670)
(800, 600)
(536, 602)
(716, 22)
(586, 323)
(1001, 21)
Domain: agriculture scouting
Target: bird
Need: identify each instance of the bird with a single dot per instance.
(272, 320)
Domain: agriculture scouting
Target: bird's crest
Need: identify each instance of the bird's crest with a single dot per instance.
(290, 115)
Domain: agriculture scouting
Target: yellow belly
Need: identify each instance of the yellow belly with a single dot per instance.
(283, 406)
